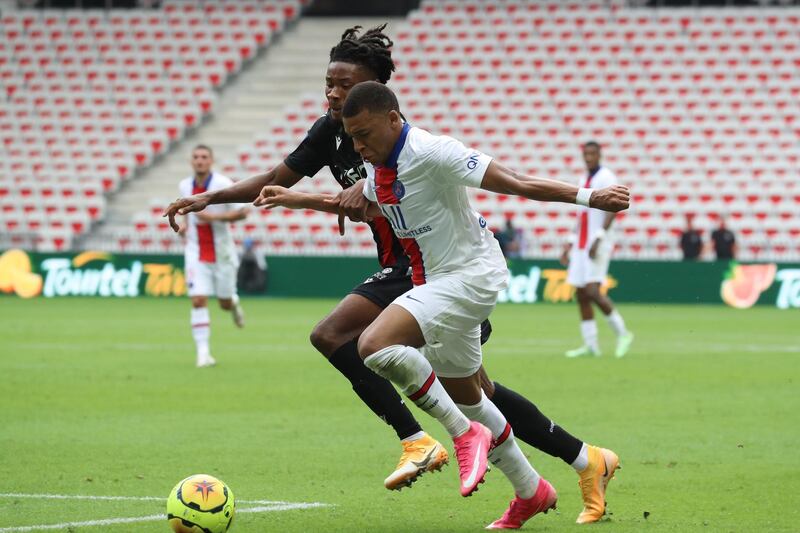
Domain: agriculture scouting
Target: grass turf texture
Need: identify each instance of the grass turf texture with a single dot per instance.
(101, 397)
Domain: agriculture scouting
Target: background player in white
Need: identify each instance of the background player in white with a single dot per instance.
(419, 181)
(210, 255)
(588, 254)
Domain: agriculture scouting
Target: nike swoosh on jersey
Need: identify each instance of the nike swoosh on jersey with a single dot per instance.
(412, 298)
(472, 475)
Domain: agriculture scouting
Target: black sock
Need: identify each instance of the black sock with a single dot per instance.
(532, 427)
(375, 391)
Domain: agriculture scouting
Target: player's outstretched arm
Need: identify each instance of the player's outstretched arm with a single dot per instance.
(231, 216)
(244, 191)
(273, 196)
(502, 180)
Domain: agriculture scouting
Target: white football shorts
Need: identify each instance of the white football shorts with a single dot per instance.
(211, 279)
(583, 270)
(449, 313)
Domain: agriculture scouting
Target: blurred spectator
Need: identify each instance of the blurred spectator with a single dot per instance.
(691, 241)
(252, 276)
(724, 242)
(510, 240)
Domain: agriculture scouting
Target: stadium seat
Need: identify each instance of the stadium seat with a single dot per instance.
(88, 98)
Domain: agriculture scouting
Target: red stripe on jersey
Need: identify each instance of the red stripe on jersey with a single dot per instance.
(385, 240)
(583, 236)
(205, 234)
(417, 264)
(424, 389)
(384, 185)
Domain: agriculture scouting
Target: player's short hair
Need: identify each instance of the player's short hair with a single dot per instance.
(371, 96)
(590, 144)
(205, 147)
(371, 50)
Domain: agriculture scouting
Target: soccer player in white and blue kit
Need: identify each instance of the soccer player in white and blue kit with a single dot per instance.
(210, 258)
(429, 338)
(587, 255)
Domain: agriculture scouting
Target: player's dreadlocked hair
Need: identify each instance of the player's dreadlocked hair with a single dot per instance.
(371, 50)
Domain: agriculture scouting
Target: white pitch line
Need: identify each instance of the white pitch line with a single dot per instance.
(87, 523)
(265, 506)
(124, 498)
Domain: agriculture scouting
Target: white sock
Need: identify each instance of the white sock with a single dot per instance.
(617, 323)
(416, 436)
(201, 331)
(506, 454)
(235, 299)
(408, 369)
(582, 461)
(589, 332)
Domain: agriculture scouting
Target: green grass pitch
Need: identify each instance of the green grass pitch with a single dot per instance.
(100, 397)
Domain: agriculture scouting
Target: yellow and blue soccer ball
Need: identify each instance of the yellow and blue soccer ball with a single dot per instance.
(200, 504)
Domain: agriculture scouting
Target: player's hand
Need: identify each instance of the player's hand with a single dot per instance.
(352, 204)
(615, 198)
(593, 249)
(564, 259)
(273, 196)
(182, 206)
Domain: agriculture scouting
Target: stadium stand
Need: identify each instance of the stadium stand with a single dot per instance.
(91, 97)
(697, 110)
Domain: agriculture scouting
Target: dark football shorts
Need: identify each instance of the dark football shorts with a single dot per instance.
(384, 286)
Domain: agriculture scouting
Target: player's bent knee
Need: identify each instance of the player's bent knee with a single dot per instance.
(199, 301)
(325, 339)
(226, 304)
(369, 343)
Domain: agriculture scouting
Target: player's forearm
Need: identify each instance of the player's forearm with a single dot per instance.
(503, 180)
(247, 190)
(316, 202)
(241, 192)
(544, 190)
(232, 216)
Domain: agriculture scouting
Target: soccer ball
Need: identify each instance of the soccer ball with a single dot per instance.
(200, 504)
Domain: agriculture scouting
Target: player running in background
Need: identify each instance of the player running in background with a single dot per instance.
(354, 59)
(587, 255)
(210, 254)
(417, 182)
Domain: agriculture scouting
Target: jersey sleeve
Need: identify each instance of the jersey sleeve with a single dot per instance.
(308, 158)
(459, 165)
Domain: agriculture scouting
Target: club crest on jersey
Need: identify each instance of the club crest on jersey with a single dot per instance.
(398, 189)
(482, 222)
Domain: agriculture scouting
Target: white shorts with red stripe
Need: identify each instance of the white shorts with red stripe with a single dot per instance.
(449, 313)
(583, 270)
(211, 279)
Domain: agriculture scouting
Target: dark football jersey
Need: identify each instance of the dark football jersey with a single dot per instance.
(326, 144)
